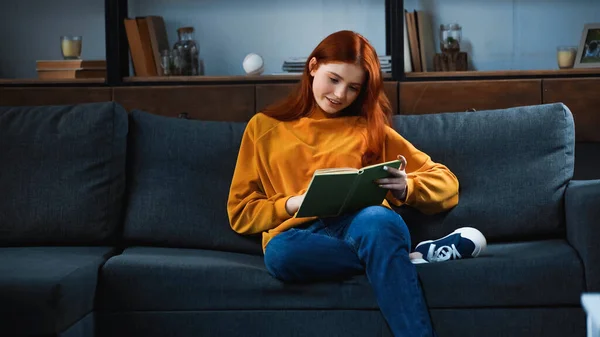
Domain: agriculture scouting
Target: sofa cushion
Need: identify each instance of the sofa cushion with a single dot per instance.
(45, 290)
(179, 173)
(513, 166)
(62, 173)
(526, 274)
(542, 273)
(246, 323)
(189, 279)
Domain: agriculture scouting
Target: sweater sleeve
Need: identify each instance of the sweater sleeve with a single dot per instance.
(249, 209)
(432, 187)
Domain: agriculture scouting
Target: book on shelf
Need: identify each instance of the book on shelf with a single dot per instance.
(408, 67)
(71, 74)
(413, 41)
(419, 45)
(147, 38)
(426, 43)
(336, 191)
(70, 64)
(296, 64)
(159, 39)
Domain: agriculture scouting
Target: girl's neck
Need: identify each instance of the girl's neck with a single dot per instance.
(318, 113)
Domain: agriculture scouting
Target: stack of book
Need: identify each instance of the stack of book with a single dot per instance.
(386, 63)
(419, 48)
(295, 65)
(147, 38)
(70, 69)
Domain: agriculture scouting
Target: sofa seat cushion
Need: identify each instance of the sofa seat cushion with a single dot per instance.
(44, 290)
(145, 278)
(544, 273)
(528, 274)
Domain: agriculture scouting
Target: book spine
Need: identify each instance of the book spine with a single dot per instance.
(342, 209)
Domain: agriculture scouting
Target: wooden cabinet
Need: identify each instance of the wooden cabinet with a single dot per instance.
(582, 96)
(269, 93)
(457, 96)
(53, 96)
(219, 102)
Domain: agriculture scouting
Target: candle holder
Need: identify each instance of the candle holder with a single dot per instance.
(70, 47)
(565, 56)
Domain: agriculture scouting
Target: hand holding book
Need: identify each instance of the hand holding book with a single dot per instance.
(336, 191)
(396, 183)
(292, 205)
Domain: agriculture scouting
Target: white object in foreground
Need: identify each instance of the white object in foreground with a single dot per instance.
(591, 305)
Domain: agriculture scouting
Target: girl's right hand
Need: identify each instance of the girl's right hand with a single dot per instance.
(292, 205)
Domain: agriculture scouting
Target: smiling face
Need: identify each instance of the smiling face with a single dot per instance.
(336, 85)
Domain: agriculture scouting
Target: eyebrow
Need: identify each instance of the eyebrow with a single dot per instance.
(334, 74)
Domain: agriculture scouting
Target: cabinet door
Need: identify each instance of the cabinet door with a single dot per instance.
(582, 96)
(270, 93)
(217, 103)
(456, 96)
(53, 96)
(267, 94)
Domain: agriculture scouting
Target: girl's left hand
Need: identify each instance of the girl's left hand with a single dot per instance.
(396, 183)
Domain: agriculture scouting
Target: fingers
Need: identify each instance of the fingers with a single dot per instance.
(397, 187)
(391, 181)
(396, 172)
(402, 162)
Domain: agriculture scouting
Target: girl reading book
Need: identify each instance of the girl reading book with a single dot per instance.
(339, 116)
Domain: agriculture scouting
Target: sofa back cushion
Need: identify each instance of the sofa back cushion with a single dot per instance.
(62, 173)
(513, 166)
(179, 173)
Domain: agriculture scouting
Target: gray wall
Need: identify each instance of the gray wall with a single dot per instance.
(227, 30)
(498, 34)
(30, 30)
(513, 34)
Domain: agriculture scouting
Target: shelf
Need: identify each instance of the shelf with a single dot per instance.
(241, 78)
(58, 81)
(505, 73)
(220, 79)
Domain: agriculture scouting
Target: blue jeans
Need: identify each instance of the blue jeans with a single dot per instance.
(374, 240)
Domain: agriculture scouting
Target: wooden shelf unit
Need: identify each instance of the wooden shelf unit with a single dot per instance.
(505, 73)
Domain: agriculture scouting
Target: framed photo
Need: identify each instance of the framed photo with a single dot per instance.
(588, 54)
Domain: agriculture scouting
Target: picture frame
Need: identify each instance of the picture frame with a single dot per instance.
(588, 53)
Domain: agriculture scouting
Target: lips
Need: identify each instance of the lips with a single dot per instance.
(334, 102)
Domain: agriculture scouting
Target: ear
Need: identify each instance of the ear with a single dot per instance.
(312, 66)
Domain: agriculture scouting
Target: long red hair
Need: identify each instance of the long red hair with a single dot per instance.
(371, 103)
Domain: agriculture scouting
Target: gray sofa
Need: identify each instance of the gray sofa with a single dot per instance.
(115, 224)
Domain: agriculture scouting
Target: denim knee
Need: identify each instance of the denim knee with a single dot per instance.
(380, 223)
(277, 256)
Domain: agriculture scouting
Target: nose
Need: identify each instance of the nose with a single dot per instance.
(340, 92)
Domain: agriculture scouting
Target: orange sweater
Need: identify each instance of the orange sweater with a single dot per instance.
(277, 159)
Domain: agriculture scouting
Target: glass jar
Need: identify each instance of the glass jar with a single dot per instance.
(450, 36)
(189, 52)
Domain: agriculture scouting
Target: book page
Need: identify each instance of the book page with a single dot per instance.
(391, 163)
(336, 170)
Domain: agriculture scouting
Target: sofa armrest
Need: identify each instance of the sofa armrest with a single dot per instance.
(582, 209)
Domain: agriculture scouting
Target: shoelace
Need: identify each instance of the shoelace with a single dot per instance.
(443, 253)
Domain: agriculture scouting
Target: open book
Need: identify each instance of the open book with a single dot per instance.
(336, 191)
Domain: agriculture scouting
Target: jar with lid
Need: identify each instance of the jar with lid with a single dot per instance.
(450, 37)
(189, 51)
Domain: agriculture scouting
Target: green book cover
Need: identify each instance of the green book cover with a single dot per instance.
(333, 192)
